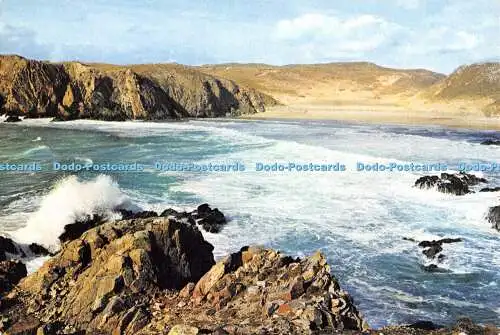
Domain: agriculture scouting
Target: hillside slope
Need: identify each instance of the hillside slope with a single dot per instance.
(107, 92)
(334, 83)
(476, 82)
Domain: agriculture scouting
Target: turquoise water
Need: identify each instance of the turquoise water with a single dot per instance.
(358, 219)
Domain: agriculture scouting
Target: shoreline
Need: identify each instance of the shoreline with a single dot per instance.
(390, 115)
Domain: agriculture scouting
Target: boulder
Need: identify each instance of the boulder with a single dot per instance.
(490, 142)
(493, 217)
(73, 231)
(11, 272)
(104, 280)
(457, 184)
(13, 119)
(7, 245)
(130, 215)
(490, 189)
(211, 220)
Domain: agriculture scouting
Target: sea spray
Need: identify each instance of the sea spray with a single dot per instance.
(71, 200)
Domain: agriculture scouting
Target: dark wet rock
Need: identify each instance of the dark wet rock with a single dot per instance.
(104, 280)
(493, 217)
(427, 244)
(13, 119)
(39, 250)
(7, 245)
(433, 268)
(11, 272)
(432, 251)
(457, 184)
(75, 230)
(490, 189)
(434, 248)
(211, 220)
(130, 215)
(490, 142)
(425, 325)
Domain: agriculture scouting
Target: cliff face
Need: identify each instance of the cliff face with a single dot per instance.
(105, 92)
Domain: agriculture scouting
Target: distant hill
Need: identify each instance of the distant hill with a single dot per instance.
(360, 83)
(334, 82)
(107, 92)
(479, 82)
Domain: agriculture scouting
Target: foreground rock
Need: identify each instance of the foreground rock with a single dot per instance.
(432, 250)
(103, 281)
(493, 217)
(457, 184)
(106, 92)
(491, 142)
(12, 119)
(146, 276)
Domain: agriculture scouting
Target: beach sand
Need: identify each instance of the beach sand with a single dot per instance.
(435, 115)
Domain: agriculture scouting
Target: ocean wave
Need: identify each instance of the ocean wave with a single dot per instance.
(71, 200)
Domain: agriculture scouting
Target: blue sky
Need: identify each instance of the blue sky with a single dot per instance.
(435, 34)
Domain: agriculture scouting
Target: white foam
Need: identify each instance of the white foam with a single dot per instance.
(70, 200)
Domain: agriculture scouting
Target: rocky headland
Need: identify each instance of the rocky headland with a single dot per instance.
(155, 274)
(67, 91)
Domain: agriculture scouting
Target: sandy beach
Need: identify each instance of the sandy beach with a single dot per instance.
(391, 114)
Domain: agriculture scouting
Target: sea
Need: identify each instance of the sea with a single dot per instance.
(299, 187)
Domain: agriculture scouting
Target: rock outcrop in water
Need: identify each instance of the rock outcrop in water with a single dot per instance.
(493, 217)
(106, 92)
(457, 184)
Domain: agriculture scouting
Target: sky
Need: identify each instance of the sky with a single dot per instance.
(438, 35)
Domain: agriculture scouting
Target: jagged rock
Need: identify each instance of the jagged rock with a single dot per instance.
(490, 142)
(490, 189)
(12, 119)
(493, 217)
(434, 248)
(39, 250)
(104, 280)
(115, 93)
(211, 220)
(283, 295)
(7, 245)
(129, 215)
(457, 184)
(73, 231)
(11, 272)
(425, 325)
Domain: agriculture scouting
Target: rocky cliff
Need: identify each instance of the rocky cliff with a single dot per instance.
(106, 92)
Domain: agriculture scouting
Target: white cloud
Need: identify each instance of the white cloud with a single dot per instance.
(409, 4)
(332, 36)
